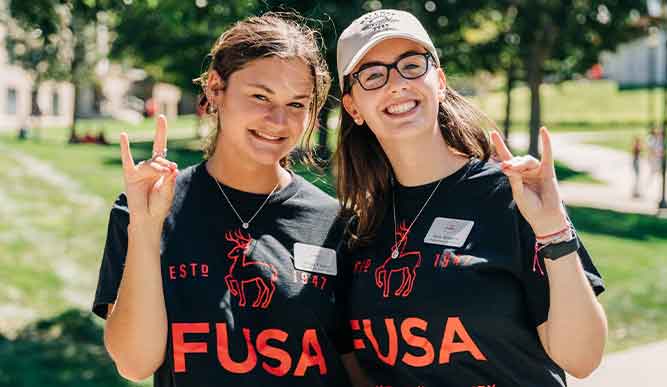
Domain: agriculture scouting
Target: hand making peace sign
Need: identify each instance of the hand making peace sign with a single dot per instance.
(534, 185)
(149, 185)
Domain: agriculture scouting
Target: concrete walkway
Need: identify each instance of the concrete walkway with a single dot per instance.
(612, 167)
(640, 366)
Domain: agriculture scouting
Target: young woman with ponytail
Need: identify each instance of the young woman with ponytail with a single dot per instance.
(225, 273)
(464, 267)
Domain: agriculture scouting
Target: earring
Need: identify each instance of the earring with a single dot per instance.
(358, 121)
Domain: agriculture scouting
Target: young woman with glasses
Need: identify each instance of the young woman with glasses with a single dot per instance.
(464, 271)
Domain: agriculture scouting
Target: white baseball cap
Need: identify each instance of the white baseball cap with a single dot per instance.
(372, 28)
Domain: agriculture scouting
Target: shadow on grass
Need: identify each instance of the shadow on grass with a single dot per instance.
(65, 350)
(617, 224)
(565, 173)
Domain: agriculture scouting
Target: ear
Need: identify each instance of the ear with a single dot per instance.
(442, 84)
(214, 85)
(351, 109)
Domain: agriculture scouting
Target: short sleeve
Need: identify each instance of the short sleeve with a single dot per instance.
(535, 277)
(113, 257)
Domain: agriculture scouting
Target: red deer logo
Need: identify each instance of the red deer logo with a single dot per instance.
(406, 263)
(244, 271)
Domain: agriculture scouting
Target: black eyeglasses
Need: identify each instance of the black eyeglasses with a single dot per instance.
(374, 76)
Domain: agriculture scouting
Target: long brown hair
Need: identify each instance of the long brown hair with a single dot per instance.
(364, 171)
(273, 34)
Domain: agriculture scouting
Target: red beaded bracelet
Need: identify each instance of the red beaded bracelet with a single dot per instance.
(553, 234)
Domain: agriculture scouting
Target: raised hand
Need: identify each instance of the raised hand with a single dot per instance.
(534, 185)
(149, 185)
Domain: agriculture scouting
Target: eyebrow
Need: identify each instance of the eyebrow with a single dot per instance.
(269, 91)
(375, 63)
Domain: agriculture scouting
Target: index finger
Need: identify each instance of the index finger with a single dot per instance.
(160, 141)
(501, 148)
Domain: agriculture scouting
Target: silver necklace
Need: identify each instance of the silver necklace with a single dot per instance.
(394, 251)
(245, 224)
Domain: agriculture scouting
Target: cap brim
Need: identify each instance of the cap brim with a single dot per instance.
(381, 37)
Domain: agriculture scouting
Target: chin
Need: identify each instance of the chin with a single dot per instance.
(406, 131)
(267, 158)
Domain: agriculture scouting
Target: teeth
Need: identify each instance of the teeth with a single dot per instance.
(266, 136)
(402, 107)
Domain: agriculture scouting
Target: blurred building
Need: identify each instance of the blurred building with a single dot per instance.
(638, 63)
(55, 99)
(52, 104)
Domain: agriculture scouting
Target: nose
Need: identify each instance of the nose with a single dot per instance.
(278, 116)
(396, 82)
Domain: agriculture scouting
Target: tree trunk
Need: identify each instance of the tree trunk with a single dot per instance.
(72, 130)
(508, 102)
(534, 75)
(35, 111)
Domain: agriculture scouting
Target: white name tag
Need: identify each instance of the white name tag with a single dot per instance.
(449, 232)
(315, 259)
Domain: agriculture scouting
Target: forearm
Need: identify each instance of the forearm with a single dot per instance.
(576, 329)
(136, 331)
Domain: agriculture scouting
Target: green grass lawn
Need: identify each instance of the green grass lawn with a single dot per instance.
(576, 105)
(630, 251)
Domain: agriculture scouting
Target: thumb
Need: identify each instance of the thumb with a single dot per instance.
(516, 184)
(166, 189)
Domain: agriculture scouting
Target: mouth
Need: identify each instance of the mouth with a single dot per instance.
(401, 109)
(263, 136)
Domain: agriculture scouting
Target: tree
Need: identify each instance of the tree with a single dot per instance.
(563, 37)
(38, 56)
(171, 38)
(60, 39)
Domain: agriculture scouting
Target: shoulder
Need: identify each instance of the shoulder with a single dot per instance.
(186, 175)
(308, 195)
(484, 180)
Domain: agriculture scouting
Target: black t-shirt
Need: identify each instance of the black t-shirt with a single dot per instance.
(256, 306)
(460, 305)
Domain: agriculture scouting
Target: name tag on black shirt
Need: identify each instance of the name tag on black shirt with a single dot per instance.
(315, 259)
(449, 232)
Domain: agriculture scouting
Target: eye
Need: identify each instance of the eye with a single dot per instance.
(411, 66)
(373, 76)
(260, 97)
(297, 105)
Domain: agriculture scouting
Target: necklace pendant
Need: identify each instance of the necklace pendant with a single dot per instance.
(245, 225)
(394, 254)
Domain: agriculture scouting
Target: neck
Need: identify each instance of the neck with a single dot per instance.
(244, 176)
(423, 159)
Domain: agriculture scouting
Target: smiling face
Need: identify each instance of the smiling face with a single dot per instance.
(262, 116)
(403, 108)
